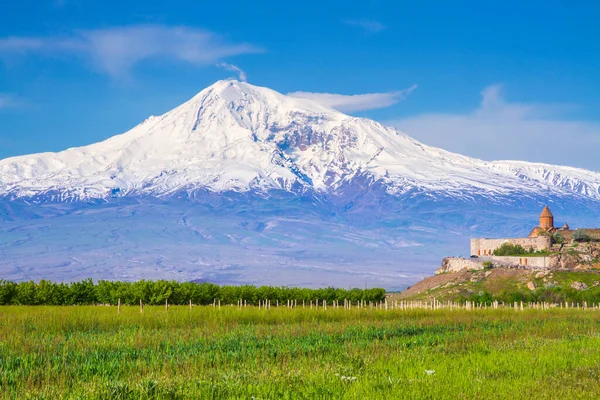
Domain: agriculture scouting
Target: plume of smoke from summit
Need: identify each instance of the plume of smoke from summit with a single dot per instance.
(234, 68)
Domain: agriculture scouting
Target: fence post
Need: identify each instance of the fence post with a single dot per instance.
(166, 304)
(190, 304)
(119, 306)
(141, 306)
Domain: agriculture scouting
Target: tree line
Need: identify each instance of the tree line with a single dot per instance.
(87, 292)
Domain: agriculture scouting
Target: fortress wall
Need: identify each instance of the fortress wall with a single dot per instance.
(522, 261)
(485, 247)
(454, 264)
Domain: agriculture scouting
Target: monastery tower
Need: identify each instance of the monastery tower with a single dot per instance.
(546, 219)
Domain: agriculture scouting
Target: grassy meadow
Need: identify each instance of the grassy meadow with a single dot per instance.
(91, 352)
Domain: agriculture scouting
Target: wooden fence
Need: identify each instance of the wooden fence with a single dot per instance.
(397, 305)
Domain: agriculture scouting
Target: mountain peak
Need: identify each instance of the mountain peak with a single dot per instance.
(241, 95)
(226, 87)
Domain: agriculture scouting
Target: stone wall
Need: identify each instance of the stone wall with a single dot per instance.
(485, 247)
(521, 261)
(455, 264)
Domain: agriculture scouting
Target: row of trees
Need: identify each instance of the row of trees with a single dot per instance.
(157, 292)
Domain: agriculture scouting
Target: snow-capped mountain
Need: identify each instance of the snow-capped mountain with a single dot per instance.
(240, 137)
(244, 185)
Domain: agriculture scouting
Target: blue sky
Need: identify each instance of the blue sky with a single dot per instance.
(494, 80)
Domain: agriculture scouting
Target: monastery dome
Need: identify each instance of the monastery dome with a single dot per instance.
(546, 212)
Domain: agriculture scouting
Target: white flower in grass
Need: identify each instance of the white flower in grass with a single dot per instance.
(429, 371)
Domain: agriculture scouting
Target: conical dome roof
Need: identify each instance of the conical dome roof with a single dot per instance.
(546, 212)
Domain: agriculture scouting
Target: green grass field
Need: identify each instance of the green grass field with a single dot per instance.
(83, 352)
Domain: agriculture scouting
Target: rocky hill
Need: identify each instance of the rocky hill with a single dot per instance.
(508, 285)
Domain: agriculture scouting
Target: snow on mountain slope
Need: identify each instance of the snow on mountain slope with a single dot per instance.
(236, 136)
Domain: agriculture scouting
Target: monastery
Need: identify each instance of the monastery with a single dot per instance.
(541, 238)
(557, 246)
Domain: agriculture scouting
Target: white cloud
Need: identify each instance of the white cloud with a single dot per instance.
(356, 102)
(234, 68)
(501, 130)
(366, 24)
(115, 51)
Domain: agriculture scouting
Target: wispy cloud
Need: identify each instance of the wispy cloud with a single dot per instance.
(366, 24)
(356, 102)
(234, 68)
(498, 129)
(115, 51)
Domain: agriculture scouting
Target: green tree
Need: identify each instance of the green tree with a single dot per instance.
(558, 238)
(49, 293)
(509, 249)
(8, 291)
(25, 294)
(581, 236)
(82, 292)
